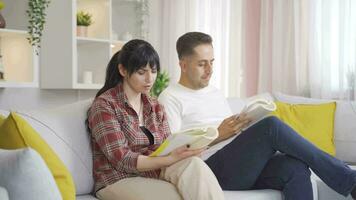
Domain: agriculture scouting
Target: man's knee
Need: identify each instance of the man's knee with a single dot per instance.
(271, 120)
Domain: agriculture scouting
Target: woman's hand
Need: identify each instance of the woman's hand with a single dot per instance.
(183, 152)
(146, 163)
(232, 125)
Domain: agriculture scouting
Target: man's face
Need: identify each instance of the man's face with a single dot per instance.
(198, 68)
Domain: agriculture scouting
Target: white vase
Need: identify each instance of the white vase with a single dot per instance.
(82, 31)
(88, 77)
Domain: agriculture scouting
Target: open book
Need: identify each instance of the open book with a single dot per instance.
(258, 109)
(196, 138)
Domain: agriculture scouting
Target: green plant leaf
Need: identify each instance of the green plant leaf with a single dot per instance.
(162, 81)
(36, 14)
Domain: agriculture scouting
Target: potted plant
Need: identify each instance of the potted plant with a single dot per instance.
(2, 20)
(36, 12)
(160, 84)
(84, 20)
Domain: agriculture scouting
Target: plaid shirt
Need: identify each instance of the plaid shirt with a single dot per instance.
(116, 138)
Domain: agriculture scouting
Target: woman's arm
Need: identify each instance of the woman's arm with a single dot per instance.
(146, 163)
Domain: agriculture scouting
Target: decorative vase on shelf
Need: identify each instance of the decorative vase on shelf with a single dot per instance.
(2, 70)
(87, 77)
(82, 31)
(2, 21)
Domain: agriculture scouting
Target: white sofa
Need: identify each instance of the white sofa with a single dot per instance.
(64, 130)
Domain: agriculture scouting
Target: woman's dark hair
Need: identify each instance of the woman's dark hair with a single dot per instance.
(134, 55)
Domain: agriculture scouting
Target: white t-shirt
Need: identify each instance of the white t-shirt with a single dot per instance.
(187, 109)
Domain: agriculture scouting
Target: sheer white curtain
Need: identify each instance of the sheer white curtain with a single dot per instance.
(308, 48)
(208, 16)
(332, 50)
(283, 43)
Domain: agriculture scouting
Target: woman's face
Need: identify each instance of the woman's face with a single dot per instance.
(142, 80)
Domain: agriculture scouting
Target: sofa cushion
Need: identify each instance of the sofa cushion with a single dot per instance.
(2, 119)
(26, 176)
(64, 130)
(314, 122)
(16, 133)
(344, 124)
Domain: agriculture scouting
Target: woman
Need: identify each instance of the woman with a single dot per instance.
(127, 125)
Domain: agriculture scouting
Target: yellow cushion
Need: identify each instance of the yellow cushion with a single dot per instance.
(2, 119)
(313, 122)
(16, 133)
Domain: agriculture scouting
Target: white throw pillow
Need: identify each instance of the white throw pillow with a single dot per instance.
(25, 175)
(63, 128)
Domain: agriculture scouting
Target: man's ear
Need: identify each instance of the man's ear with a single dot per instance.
(122, 70)
(183, 64)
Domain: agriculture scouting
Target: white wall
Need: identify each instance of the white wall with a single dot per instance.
(34, 98)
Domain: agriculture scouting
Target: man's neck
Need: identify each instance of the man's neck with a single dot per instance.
(184, 82)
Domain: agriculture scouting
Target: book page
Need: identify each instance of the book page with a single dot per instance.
(196, 138)
(257, 110)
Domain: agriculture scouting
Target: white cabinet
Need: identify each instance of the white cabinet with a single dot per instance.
(19, 60)
(65, 57)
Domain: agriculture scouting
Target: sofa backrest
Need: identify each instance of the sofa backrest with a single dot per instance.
(64, 130)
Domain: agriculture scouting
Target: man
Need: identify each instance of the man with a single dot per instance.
(248, 160)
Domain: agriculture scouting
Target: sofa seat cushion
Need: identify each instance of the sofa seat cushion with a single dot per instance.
(25, 175)
(86, 197)
(325, 192)
(253, 195)
(230, 195)
(16, 133)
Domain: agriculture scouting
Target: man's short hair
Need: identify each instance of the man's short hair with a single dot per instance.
(187, 42)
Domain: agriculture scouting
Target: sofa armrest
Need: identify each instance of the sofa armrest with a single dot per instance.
(3, 194)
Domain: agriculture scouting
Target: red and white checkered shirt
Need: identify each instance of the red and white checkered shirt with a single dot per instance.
(117, 139)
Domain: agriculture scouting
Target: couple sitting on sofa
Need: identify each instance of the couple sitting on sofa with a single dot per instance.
(127, 125)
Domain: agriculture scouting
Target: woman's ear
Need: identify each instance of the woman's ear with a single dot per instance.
(122, 70)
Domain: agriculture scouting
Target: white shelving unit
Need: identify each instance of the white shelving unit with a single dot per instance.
(66, 57)
(21, 64)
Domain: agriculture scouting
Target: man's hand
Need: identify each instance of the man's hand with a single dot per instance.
(231, 126)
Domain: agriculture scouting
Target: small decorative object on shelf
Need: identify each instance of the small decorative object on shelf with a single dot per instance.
(83, 21)
(2, 20)
(37, 19)
(2, 70)
(88, 77)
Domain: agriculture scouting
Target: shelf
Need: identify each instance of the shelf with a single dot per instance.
(85, 40)
(11, 84)
(9, 32)
(81, 56)
(88, 86)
